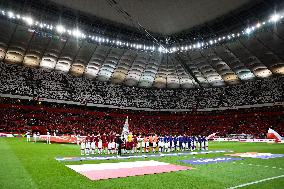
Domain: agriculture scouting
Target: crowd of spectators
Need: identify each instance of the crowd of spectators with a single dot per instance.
(39, 83)
(69, 120)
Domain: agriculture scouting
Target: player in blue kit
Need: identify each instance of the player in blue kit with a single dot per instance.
(205, 143)
(171, 143)
(189, 140)
(166, 141)
(175, 139)
(184, 144)
(200, 141)
(193, 142)
(180, 140)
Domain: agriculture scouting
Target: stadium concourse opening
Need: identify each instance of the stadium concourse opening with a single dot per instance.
(142, 94)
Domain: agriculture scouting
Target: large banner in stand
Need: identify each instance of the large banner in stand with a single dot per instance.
(62, 139)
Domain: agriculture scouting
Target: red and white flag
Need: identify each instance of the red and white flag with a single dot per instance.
(271, 134)
(211, 137)
(124, 169)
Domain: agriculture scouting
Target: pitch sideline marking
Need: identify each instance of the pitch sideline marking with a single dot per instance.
(256, 182)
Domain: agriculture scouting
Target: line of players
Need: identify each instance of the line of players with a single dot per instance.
(109, 144)
(36, 137)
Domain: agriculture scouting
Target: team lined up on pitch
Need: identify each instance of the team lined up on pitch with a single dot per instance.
(116, 144)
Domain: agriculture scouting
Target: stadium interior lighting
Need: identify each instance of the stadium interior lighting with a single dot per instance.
(60, 29)
(10, 14)
(248, 30)
(77, 33)
(198, 45)
(28, 20)
(275, 18)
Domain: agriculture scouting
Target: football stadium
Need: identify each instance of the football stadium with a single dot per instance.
(141, 94)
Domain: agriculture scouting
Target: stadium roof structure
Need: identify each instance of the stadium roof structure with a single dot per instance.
(162, 44)
(160, 16)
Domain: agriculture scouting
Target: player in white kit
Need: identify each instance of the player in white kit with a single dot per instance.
(113, 147)
(109, 147)
(28, 134)
(93, 147)
(100, 146)
(88, 146)
(147, 145)
(34, 137)
(48, 137)
(83, 146)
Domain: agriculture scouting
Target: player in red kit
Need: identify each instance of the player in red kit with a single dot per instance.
(104, 141)
(135, 142)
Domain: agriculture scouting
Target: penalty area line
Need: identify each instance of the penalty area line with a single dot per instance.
(256, 182)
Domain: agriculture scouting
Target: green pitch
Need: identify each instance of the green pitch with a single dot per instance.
(29, 165)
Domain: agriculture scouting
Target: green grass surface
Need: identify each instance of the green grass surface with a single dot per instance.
(33, 165)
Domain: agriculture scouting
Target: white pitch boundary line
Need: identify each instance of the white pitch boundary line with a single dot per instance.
(256, 182)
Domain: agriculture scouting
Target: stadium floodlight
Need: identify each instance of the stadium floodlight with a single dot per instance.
(198, 45)
(258, 25)
(275, 18)
(77, 33)
(69, 32)
(60, 29)
(18, 16)
(248, 30)
(28, 20)
(10, 14)
(160, 49)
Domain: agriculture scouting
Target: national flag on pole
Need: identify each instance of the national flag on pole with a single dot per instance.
(124, 169)
(125, 130)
